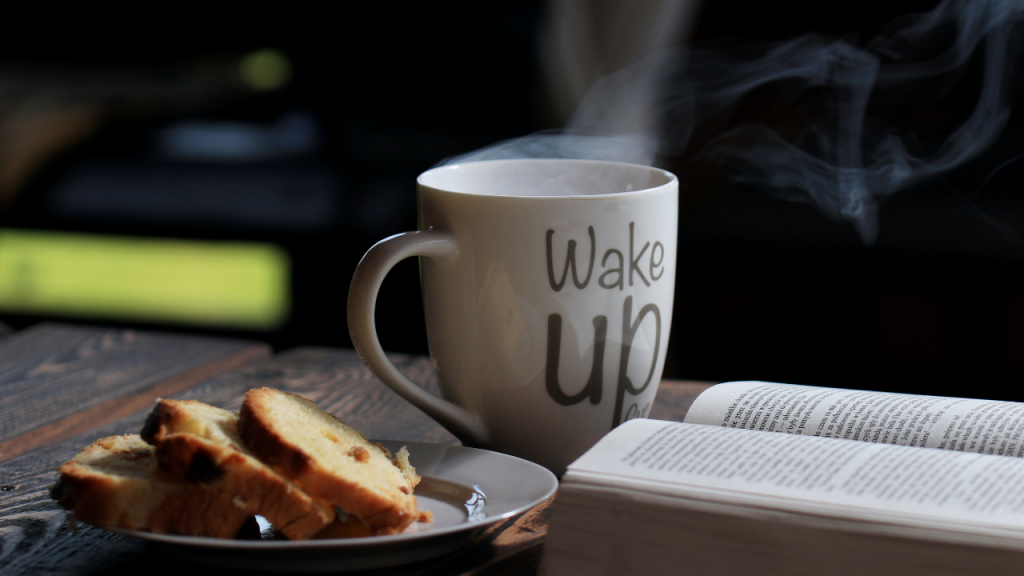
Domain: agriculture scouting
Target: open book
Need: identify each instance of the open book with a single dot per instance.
(850, 482)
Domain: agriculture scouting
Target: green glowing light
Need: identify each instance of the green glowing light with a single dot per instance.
(265, 70)
(230, 284)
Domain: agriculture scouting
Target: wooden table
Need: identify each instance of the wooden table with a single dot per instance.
(61, 387)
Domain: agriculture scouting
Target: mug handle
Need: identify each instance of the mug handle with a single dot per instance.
(362, 302)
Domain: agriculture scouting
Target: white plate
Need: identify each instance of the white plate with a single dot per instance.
(466, 488)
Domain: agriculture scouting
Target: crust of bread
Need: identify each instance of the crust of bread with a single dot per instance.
(114, 482)
(325, 458)
(200, 443)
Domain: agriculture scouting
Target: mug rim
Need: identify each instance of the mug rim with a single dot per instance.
(670, 179)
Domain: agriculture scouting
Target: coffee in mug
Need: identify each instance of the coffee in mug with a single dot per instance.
(547, 288)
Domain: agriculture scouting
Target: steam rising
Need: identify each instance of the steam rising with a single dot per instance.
(831, 147)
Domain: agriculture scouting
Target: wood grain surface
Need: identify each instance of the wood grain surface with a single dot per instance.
(674, 399)
(37, 538)
(57, 381)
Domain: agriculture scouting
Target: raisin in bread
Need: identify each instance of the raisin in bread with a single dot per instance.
(114, 482)
(329, 460)
(200, 443)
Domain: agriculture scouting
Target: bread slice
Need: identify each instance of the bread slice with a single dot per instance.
(200, 443)
(329, 460)
(114, 482)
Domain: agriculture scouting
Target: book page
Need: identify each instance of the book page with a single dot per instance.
(959, 424)
(808, 473)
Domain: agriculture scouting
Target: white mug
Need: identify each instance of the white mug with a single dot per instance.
(547, 289)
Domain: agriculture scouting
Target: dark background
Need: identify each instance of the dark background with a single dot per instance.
(766, 289)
